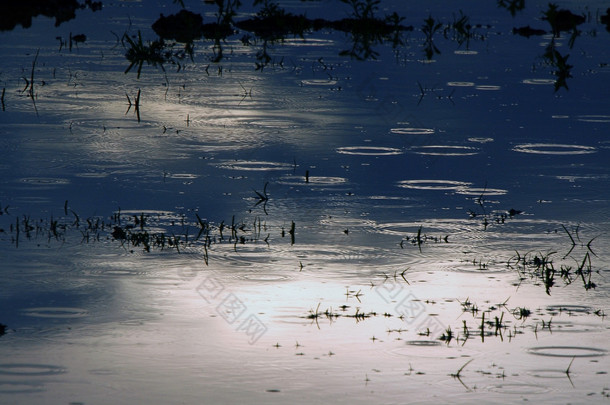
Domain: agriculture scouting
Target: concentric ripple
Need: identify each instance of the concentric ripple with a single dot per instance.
(488, 87)
(412, 131)
(445, 150)
(313, 180)
(369, 150)
(594, 118)
(460, 84)
(554, 149)
(26, 369)
(20, 387)
(519, 388)
(442, 185)
(567, 351)
(481, 191)
(55, 312)
(538, 81)
(255, 165)
(45, 181)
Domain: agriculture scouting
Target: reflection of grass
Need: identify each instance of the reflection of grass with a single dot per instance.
(430, 27)
(540, 266)
(458, 374)
(512, 5)
(421, 238)
(563, 70)
(148, 232)
(561, 20)
(154, 53)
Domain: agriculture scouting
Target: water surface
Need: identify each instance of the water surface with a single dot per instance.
(405, 228)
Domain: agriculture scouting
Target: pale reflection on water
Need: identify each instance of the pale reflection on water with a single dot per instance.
(389, 230)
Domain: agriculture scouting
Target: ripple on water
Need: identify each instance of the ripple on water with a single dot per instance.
(574, 327)
(55, 312)
(567, 351)
(275, 123)
(45, 181)
(519, 388)
(254, 165)
(263, 277)
(480, 140)
(308, 43)
(445, 150)
(594, 118)
(115, 273)
(319, 82)
(554, 149)
(428, 348)
(182, 176)
(313, 181)
(548, 373)
(369, 150)
(436, 227)
(583, 309)
(538, 81)
(20, 387)
(433, 184)
(30, 369)
(412, 131)
(460, 84)
(476, 191)
(92, 175)
(423, 343)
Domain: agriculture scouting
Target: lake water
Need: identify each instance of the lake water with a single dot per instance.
(429, 224)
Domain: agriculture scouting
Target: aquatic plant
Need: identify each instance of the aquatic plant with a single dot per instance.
(605, 19)
(512, 5)
(528, 31)
(540, 266)
(135, 231)
(185, 26)
(563, 70)
(29, 84)
(429, 28)
(561, 19)
(135, 104)
(363, 9)
(263, 198)
(22, 13)
(154, 53)
(421, 238)
(463, 31)
(457, 375)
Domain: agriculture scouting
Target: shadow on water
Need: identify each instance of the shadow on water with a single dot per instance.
(365, 30)
(272, 25)
(21, 12)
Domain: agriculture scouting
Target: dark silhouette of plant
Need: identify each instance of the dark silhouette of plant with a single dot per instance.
(154, 53)
(561, 20)
(512, 5)
(363, 9)
(430, 27)
(559, 62)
